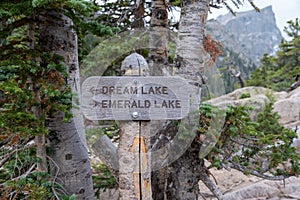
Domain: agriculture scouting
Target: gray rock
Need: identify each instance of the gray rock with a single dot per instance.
(255, 31)
(245, 38)
(288, 107)
(255, 191)
(268, 190)
(257, 99)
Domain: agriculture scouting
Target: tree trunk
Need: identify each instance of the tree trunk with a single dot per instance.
(185, 175)
(190, 62)
(139, 13)
(158, 60)
(69, 159)
(158, 39)
(190, 54)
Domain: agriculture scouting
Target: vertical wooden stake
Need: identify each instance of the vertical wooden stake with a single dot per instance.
(145, 160)
(134, 154)
(129, 161)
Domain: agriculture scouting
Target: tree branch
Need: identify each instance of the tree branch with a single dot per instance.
(26, 173)
(255, 173)
(55, 177)
(9, 155)
(210, 185)
(108, 154)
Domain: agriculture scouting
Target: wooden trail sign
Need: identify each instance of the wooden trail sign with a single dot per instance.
(135, 98)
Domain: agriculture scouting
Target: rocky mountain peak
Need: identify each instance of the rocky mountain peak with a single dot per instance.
(245, 37)
(255, 31)
(249, 16)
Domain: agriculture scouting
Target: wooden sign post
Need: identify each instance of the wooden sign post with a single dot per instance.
(134, 159)
(134, 100)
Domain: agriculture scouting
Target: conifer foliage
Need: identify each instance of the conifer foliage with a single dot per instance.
(260, 147)
(32, 88)
(280, 71)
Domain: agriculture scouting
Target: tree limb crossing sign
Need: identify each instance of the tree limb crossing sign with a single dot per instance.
(135, 98)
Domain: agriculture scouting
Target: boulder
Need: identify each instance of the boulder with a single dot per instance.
(237, 186)
(288, 109)
(255, 97)
(267, 189)
(294, 93)
(287, 104)
(237, 94)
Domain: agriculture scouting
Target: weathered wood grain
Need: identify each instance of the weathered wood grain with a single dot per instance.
(135, 98)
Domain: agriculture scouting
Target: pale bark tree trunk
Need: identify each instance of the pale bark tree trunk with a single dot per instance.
(190, 62)
(190, 54)
(70, 161)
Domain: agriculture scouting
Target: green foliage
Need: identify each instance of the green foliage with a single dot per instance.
(93, 134)
(254, 147)
(106, 57)
(19, 180)
(33, 87)
(280, 71)
(231, 61)
(245, 95)
(102, 178)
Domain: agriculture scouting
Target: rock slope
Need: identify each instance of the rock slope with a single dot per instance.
(245, 38)
(254, 31)
(236, 185)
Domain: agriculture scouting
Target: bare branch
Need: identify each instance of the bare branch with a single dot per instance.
(254, 6)
(55, 177)
(210, 185)
(9, 155)
(255, 173)
(215, 6)
(26, 173)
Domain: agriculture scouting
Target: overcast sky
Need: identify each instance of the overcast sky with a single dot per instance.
(284, 10)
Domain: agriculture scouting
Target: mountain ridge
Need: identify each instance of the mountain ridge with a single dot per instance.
(245, 38)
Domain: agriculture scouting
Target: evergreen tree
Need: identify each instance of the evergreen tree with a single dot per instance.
(37, 83)
(279, 72)
(253, 147)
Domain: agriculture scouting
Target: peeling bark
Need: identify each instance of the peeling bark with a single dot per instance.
(128, 171)
(134, 148)
(190, 63)
(158, 43)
